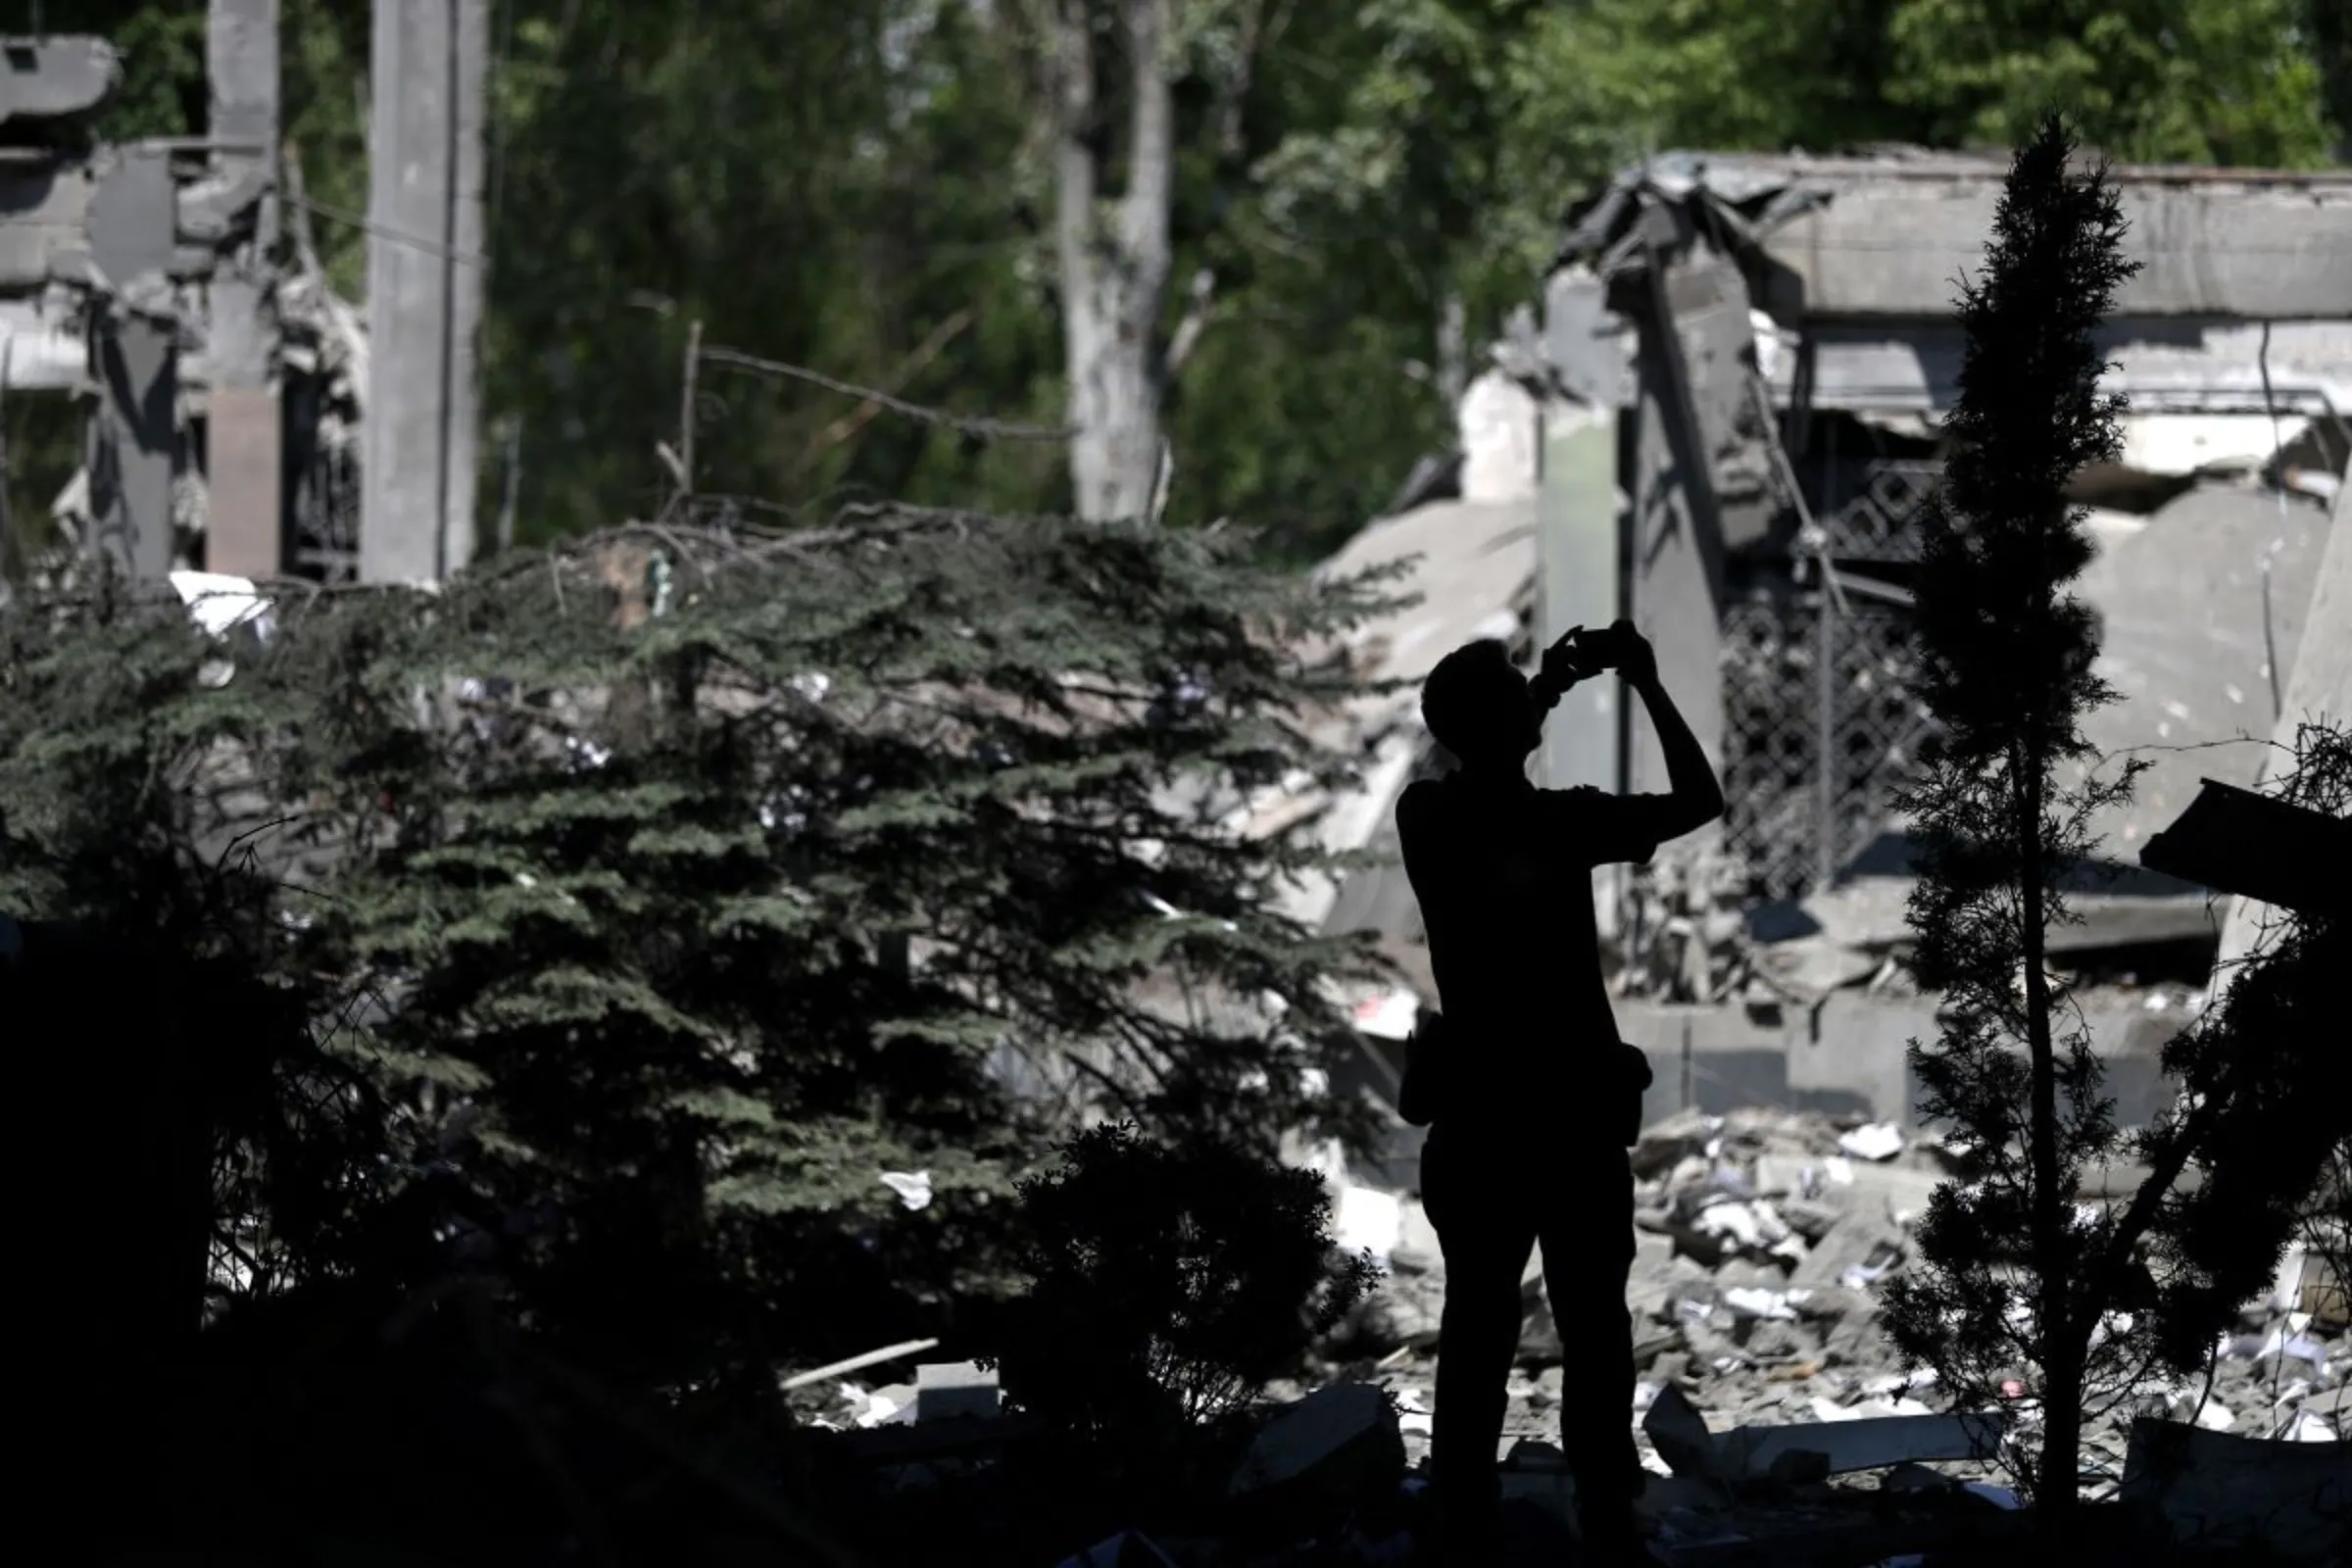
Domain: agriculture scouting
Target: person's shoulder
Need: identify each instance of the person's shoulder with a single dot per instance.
(1419, 799)
(1570, 798)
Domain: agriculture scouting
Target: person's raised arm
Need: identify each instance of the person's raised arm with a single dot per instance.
(1695, 795)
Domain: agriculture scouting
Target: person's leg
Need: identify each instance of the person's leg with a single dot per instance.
(1485, 1235)
(1588, 1236)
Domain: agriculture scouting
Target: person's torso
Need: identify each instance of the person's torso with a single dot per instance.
(1512, 940)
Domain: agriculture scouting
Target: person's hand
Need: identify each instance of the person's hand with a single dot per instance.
(1637, 662)
(1560, 670)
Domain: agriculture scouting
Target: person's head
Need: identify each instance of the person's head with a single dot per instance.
(1478, 706)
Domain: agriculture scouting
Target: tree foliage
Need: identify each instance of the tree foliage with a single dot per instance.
(1166, 1283)
(2256, 1119)
(684, 933)
(2187, 81)
(2085, 1305)
(2006, 667)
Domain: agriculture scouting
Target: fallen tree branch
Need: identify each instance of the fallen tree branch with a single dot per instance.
(857, 418)
(998, 429)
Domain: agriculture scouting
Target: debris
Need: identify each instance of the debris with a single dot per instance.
(1414, 1416)
(1416, 1250)
(1666, 1143)
(882, 1407)
(946, 1390)
(1857, 1253)
(912, 1187)
(1680, 1434)
(2216, 1490)
(1869, 1443)
(1759, 1304)
(1369, 1221)
(1759, 1249)
(1336, 1445)
(219, 604)
(1877, 1140)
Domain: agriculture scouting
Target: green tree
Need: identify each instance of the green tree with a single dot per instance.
(2191, 81)
(703, 925)
(2006, 659)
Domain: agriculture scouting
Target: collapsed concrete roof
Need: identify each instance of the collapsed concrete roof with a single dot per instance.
(2243, 302)
(1884, 234)
(2258, 846)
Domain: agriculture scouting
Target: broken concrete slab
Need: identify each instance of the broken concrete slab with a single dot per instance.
(1338, 1445)
(946, 1390)
(1680, 1434)
(2214, 1488)
(1901, 1192)
(1873, 1442)
(1855, 1253)
(1666, 1143)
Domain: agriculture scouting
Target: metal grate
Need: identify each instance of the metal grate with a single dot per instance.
(1876, 524)
(1820, 724)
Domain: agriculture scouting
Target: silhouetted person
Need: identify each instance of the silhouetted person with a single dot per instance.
(1531, 1098)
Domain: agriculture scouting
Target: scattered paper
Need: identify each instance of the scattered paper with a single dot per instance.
(912, 1187)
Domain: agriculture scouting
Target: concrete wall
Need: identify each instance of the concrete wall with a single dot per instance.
(2207, 246)
(1721, 1060)
(1852, 1058)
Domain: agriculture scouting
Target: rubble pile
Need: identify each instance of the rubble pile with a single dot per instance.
(1697, 936)
(1763, 1239)
(1770, 1410)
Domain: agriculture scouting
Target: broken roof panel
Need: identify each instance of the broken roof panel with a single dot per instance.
(2192, 608)
(2259, 846)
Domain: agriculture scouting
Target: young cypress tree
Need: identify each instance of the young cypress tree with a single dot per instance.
(2006, 669)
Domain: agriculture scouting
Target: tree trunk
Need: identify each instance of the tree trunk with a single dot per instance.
(1114, 263)
(2063, 1350)
(1453, 350)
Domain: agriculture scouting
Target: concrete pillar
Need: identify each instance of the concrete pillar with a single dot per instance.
(1577, 586)
(425, 288)
(245, 518)
(135, 441)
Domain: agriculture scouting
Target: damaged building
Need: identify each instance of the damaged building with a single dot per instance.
(160, 284)
(1725, 428)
